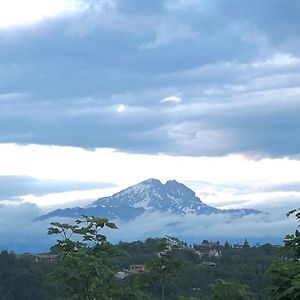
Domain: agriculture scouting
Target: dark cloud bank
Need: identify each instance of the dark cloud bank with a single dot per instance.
(15, 186)
(234, 65)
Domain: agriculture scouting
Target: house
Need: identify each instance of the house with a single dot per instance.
(209, 245)
(214, 253)
(136, 268)
(209, 252)
(46, 257)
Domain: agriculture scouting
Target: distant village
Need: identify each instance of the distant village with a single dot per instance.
(205, 250)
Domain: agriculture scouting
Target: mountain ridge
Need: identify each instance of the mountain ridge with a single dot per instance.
(148, 196)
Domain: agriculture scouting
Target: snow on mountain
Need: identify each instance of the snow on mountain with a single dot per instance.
(152, 195)
(148, 196)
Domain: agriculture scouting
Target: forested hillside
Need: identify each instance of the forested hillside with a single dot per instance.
(198, 268)
(83, 265)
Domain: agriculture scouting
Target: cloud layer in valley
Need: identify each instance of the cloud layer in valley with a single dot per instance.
(19, 231)
(193, 228)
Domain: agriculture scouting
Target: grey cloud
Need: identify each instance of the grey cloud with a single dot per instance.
(106, 129)
(18, 232)
(168, 34)
(272, 24)
(15, 186)
(68, 84)
(138, 7)
(279, 23)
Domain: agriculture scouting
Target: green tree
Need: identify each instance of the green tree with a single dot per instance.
(228, 290)
(292, 241)
(285, 274)
(83, 258)
(165, 266)
(285, 280)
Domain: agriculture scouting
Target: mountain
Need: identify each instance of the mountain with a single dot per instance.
(148, 196)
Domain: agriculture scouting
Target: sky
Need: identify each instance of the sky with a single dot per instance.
(97, 95)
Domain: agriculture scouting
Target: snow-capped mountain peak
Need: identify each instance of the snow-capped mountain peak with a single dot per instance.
(149, 196)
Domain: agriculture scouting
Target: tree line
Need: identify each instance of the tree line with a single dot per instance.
(88, 267)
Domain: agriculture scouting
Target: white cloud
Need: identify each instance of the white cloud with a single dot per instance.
(125, 169)
(67, 199)
(194, 228)
(121, 108)
(278, 60)
(273, 201)
(12, 96)
(174, 98)
(15, 12)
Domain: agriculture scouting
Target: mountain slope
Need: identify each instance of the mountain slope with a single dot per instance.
(148, 196)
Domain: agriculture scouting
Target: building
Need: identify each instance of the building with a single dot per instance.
(136, 268)
(46, 257)
(209, 252)
(214, 253)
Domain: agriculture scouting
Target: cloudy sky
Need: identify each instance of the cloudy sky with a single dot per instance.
(96, 95)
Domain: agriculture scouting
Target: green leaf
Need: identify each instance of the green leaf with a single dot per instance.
(112, 225)
(52, 230)
(100, 237)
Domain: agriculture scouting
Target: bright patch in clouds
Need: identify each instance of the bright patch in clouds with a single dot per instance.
(16, 12)
(66, 199)
(121, 108)
(278, 60)
(175, 98)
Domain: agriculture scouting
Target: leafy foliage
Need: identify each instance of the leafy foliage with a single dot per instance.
(285, 273)
(83, 264)
(165, 266)
(292, 241)
(21, 278)
(225, 290)
(285, 280)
